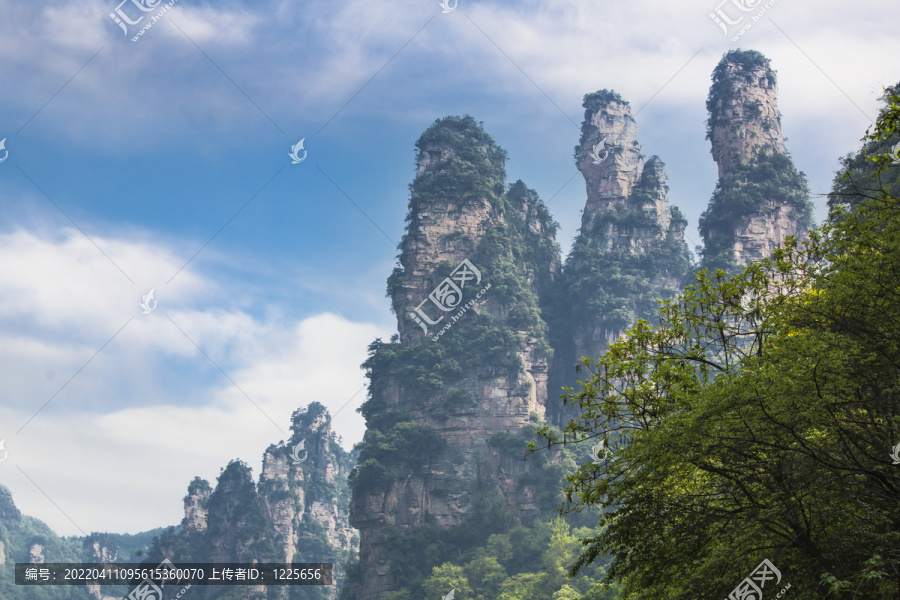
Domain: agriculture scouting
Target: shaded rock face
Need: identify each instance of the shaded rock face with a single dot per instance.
(444, 233)
(760, 235)
(760, 198)
(235, 526)
(444, 230)
(459, 210)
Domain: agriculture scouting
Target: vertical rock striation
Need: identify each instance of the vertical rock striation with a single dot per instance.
(453, 392)
(760, 197)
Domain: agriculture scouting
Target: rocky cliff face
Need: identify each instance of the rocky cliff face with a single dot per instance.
(297, 512)
(630, 249)
(609, 158)
(305, 496)
(196, 506)
(760, 198)
(468, 369)
(744, 120)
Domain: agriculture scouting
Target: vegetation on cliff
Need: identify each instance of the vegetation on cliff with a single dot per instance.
(736, 69)
(19, 535)
(861, 176)
(608, 281)
(495, 553)
(771, 181)
(518, 258)
(751, 187)
(468, 166)
(523, 563)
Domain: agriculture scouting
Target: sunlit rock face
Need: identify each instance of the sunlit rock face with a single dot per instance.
(460, 210)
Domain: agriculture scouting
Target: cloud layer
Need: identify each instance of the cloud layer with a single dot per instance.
(123, 435)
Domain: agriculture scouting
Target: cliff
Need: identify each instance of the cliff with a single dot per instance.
(297, 512)
(305, 496)
(630, 250)
(760, 197)
(483, 306)
(453, 394)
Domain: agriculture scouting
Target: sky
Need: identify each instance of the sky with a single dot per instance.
(161, 161)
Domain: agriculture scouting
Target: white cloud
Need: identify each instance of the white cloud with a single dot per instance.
(307, 61)
(116, 448)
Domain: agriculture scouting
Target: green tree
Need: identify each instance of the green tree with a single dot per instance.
(485, 574)
(561, 552)
(567, 592)
(524, 586)
(862, 176)
(443, 580)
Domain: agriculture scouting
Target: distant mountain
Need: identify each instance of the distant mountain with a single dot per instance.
(297, 512)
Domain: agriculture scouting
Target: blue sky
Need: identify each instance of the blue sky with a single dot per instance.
(126, 159)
